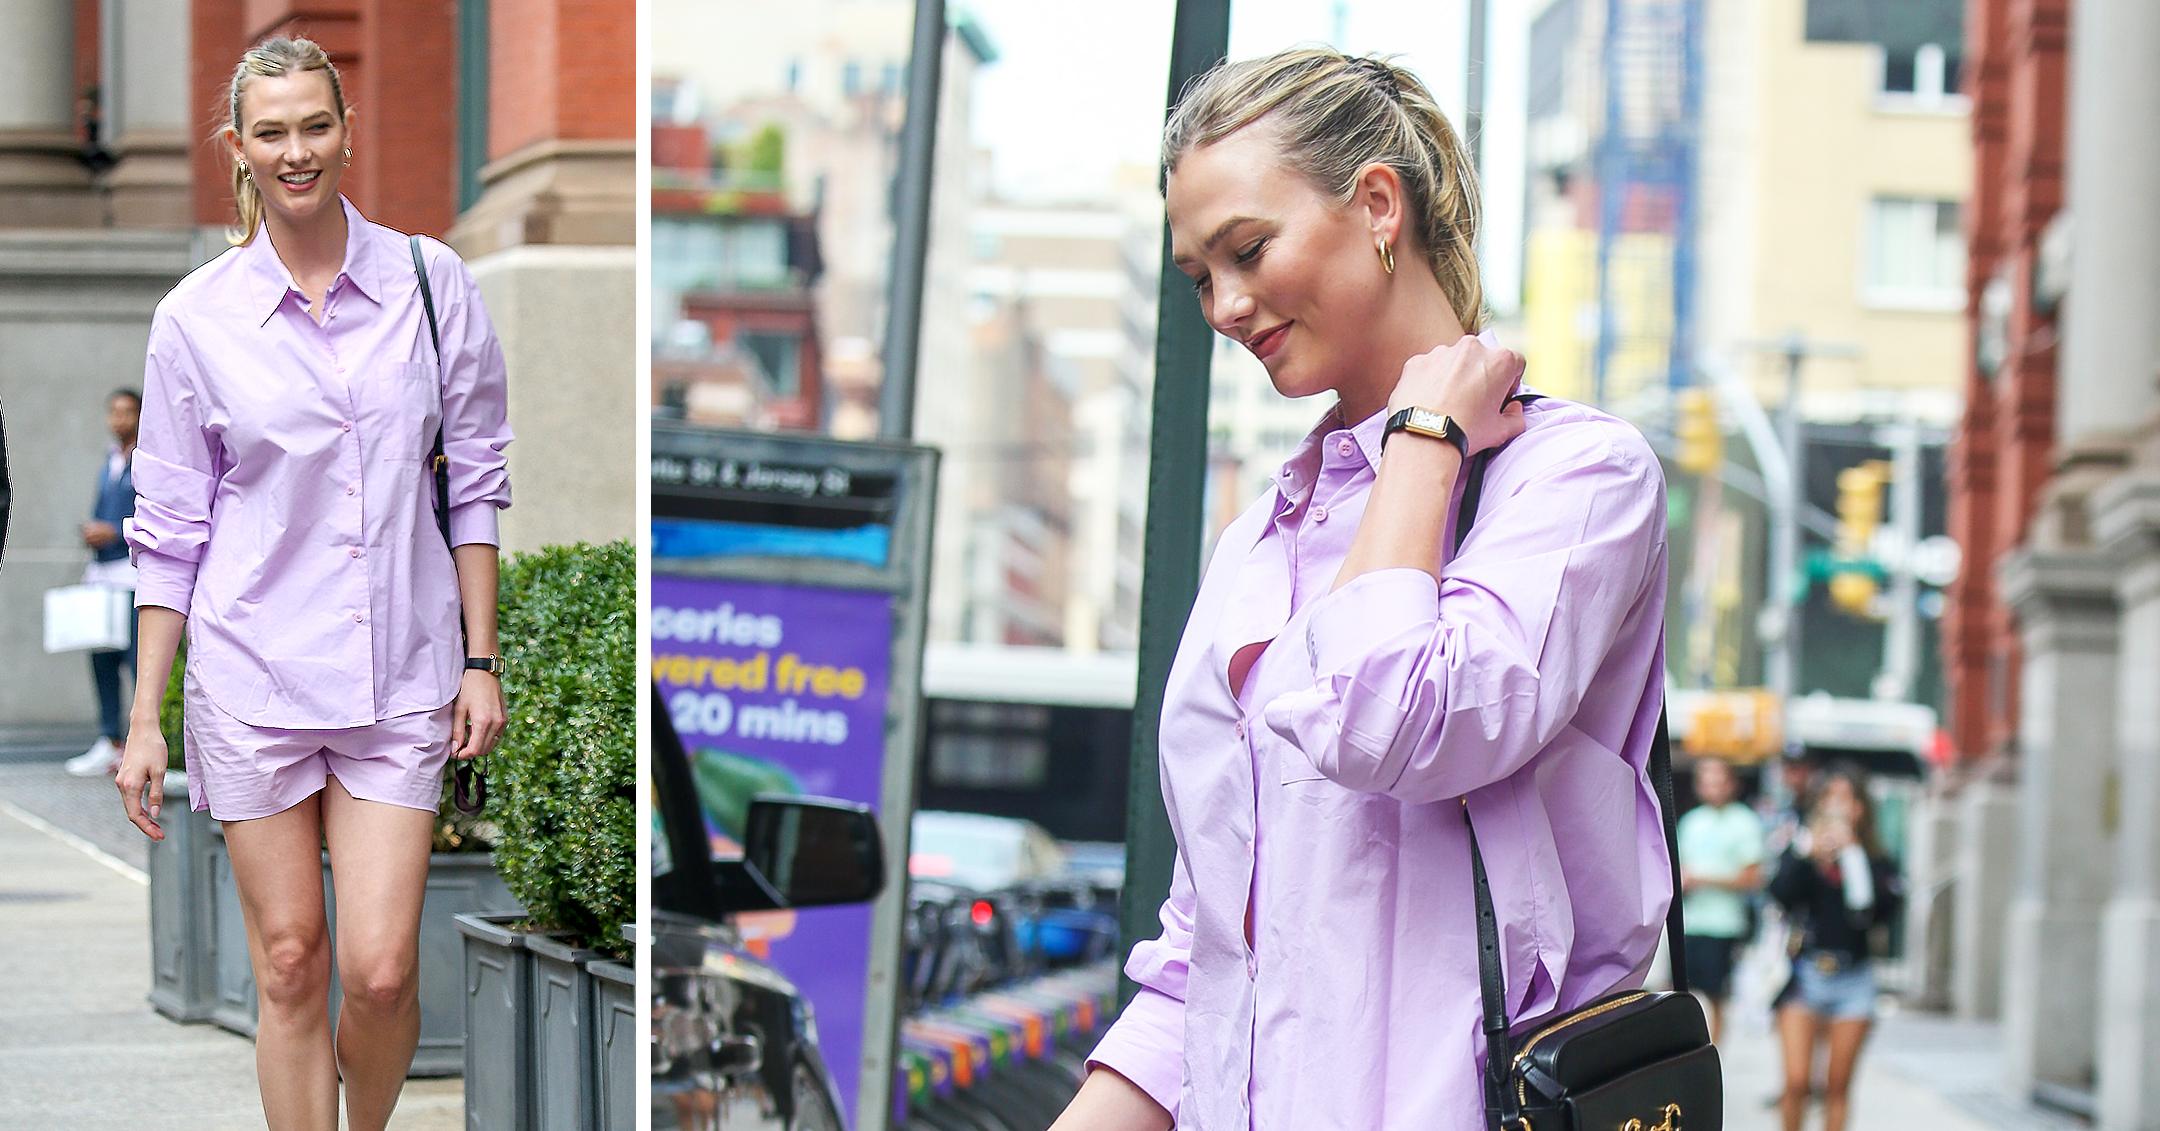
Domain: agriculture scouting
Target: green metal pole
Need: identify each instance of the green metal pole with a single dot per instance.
(1177, 473)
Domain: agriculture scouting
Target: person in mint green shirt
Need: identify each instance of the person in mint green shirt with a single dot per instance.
(1721, 853)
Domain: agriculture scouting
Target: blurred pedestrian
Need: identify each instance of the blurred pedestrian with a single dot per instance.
(109, 566)
(287, 521)
(1353, 688)
(1788, 800)
(1721, 855)
(1836, 886)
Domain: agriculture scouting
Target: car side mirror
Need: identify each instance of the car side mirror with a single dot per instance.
(813, 852)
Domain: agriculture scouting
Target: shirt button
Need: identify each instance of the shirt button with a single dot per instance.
(351, 489)
(344, 425)
(1319, 514)
(1240, 728)
(1252, 966)
(1346, 447)
(357, 618)
(355, 551)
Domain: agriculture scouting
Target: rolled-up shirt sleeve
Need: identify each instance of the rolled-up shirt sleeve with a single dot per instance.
(476, 423)
(176, 468)
(1427, 691)
(1147, 1043)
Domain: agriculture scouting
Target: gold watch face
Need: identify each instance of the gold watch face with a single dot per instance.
(1426, 420)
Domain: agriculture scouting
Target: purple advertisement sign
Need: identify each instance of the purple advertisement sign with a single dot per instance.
(782, 689)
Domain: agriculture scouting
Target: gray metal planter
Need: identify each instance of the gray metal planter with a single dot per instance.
(498, 1023)
(232, 1005)
(616, 1100)
(183, 975)
(563, 1033)
(458, 883)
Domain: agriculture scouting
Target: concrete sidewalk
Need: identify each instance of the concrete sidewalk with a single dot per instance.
(80, 1047)
(1917, 1070)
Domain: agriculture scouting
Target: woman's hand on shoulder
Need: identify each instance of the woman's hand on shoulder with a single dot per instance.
(1471, 382)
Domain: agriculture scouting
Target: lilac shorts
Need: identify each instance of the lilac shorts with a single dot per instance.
(239, 771)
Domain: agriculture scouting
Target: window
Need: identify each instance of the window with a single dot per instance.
(1915, 254)
(778, 355)
(1923, 76)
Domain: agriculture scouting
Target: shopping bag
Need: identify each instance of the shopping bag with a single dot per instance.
(87, 617)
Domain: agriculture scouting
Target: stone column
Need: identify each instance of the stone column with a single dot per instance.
(2110, 351)
(43, 182)
(2127, 523)
(1986, 863)
(145, 110)
(552, 241)
(2111, 341)
(2064, 600)
(1931, 883)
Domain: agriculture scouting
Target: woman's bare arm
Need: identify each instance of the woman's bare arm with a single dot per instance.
(478, 719)
(1110, 1102)
(142, 768)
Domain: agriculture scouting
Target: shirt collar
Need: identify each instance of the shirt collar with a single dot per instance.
(270, 282)
(1297, 472)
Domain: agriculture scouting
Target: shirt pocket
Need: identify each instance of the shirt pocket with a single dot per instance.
(1291, 764)
(404, 404)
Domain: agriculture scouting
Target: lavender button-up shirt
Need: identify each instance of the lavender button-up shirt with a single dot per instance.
(283, 498)
(1318, 962)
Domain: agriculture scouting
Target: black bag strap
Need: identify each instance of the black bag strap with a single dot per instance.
(439, 462)
(468, 787)
(1499, 1045)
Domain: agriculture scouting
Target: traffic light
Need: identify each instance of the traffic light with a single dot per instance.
(1859, 506)
(1860, 512)
(1853, 591)
(1702, 445)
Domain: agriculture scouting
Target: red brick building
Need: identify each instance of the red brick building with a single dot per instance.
(508, 129)
(2005, 446)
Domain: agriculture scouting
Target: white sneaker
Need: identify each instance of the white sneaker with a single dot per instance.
(101, 759)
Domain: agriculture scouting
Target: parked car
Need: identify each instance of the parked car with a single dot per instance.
(734, 1043)
(994, 899)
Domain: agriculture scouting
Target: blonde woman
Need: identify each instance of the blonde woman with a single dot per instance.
(285, 521)
(1350, 685)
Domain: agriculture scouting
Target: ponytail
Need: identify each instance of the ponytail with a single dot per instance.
(1335, 115)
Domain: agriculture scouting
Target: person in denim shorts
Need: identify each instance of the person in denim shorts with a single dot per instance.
(1836, 886)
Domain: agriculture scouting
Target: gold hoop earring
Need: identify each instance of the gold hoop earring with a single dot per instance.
(348, 155)
(246, 174)
(1387, 258)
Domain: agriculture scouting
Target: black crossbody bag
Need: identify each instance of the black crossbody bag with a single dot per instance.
(468, 782)
(1635, 1060)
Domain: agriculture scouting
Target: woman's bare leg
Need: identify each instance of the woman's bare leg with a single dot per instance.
(1796, 1037)
(378, 868)
(277, 866)
(1846, 1037)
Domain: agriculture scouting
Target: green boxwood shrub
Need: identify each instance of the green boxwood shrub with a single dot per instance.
(562, 784)
(169, 713)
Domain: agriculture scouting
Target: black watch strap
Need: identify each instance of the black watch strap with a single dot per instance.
(1448, 429)
(493, 665)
